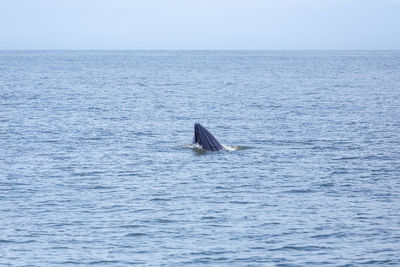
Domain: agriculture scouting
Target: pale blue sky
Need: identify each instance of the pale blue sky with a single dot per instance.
(200, 24)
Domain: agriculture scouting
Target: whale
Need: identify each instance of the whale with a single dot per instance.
(205, 139)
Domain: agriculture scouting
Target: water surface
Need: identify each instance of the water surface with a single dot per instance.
(95, 169)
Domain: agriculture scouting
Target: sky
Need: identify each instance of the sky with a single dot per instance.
(200, 24)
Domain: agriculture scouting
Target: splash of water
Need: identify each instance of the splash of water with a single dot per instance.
(199, 148)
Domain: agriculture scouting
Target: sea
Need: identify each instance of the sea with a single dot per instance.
(97, 166)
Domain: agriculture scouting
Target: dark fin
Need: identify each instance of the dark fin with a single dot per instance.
(205, 139)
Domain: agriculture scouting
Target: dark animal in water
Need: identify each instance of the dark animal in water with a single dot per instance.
(205, 139)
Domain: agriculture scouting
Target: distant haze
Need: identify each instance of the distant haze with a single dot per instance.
(200, 24)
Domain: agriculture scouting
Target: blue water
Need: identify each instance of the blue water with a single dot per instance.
(95, 166)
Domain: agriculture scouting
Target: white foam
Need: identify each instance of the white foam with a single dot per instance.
(229, 148)
(194, 146)
(224, 147)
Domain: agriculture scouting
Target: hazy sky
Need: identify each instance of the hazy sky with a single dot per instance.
(200, 24)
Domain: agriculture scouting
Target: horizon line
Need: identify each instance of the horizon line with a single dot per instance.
(184, 49)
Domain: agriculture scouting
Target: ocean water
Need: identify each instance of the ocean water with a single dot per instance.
(95, 166)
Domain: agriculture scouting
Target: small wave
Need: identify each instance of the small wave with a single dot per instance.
(299, 191)
(378, 262)
(86, 139)
(17, 242)
(160, 199)
(241, 202)
(86, 173)
(104, 262)
(135, 234)
(327, 236)
(208, 218)
(131, 226)
(164, 221)
(98, 187)
(300, 248)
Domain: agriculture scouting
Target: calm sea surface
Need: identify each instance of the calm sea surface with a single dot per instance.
(95, 167)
